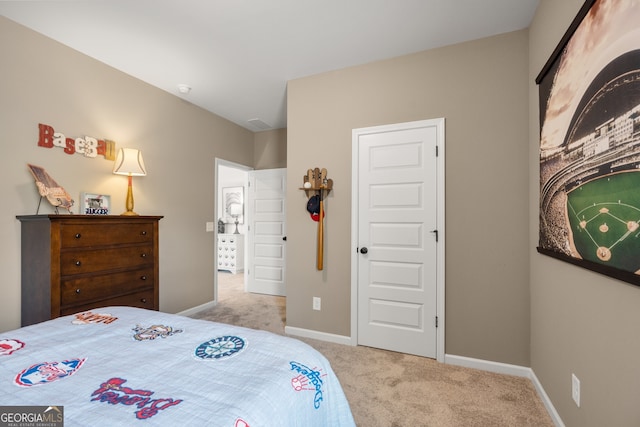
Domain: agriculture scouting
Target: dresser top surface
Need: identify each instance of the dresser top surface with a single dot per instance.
(87, 218)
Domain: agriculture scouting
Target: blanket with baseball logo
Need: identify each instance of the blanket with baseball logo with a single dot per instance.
(123, 366)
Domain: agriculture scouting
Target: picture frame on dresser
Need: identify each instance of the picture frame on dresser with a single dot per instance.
(233, 196)
(95, 204)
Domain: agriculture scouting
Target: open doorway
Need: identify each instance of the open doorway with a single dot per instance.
(231, 218)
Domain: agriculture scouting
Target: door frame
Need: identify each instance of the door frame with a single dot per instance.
(440, 221)
(245, 168)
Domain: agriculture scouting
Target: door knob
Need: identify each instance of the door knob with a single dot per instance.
(284, 238)
(364, 250)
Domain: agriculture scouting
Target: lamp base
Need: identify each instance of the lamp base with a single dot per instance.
(129, 201)
(236, 232)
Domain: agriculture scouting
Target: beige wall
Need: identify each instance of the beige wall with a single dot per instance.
(45, 82)
(270, 149)
(480, 88)
(581, 322)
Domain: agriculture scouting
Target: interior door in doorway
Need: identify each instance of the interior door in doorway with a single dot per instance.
(397, 237)
(267, 232)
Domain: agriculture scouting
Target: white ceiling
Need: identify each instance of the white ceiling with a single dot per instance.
(237, 55)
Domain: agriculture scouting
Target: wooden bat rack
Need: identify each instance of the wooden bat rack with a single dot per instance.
(316, 182)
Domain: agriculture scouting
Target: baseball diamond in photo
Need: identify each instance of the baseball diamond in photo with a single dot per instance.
(604, 217)
(589, 93)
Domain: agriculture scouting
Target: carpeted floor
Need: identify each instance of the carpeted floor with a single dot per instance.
(391, 389)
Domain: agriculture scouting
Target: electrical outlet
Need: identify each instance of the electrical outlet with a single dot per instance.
(575, 389)
(316, 303)
(209, 226)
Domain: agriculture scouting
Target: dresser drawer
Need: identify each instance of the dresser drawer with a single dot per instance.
(87, 235)
(82, 290)
(228, 239)
(81, 261)
(142, 299)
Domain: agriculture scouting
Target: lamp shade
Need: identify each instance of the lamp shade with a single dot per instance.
(235, 209)
(129, 162)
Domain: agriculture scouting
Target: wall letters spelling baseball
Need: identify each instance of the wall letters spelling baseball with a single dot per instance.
(88, 146)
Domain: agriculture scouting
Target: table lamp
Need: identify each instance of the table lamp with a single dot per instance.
(235, 210)
(129, 162)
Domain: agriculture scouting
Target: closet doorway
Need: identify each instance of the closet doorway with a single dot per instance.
(398, 233)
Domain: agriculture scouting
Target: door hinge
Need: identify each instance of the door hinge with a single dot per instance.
(436, 321)
(437, 151)
(436, 233)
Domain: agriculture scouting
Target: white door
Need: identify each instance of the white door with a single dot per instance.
(266, 233)
(398, 236)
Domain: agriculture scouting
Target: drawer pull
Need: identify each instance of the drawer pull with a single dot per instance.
(78, 235)
(143, 277)
(143, 300)
(78, 263)
(78, 291)
(144, 233)
(143, 255)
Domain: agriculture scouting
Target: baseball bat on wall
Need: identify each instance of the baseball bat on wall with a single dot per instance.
(317, 186)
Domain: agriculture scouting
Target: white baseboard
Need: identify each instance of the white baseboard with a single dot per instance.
(487, 365)
(547, 402)
(193, 310)
(507, 369)
(322, 336)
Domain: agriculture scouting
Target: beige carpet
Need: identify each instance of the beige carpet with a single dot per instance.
(385, 388)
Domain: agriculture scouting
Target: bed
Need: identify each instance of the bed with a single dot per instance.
(124, 366)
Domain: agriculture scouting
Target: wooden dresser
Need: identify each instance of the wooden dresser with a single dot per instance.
(72, 263)
(231, 252)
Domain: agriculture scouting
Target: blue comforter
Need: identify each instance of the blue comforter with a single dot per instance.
(122, 366)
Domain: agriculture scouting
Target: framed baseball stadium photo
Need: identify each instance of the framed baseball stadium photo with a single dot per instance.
(589, 93)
